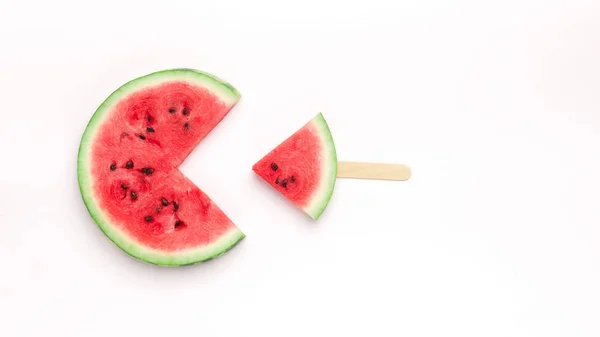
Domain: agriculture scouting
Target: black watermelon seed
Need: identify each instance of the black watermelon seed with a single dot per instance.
(129, 165)
(150, 129)
(149, 118)
(277, 181)
(284, 183)
(172, 110)
(177, 223)
(142, 137)
(148, 171)
(185, 111)
(148, 218)
(125, 187)
(274, 166)
(175, 205)
(186, 126)
(164, 202)
(293, 179)
(133, 195)
(113, 166)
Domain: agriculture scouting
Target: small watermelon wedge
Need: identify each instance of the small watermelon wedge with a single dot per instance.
(303, 168)
(127, 167)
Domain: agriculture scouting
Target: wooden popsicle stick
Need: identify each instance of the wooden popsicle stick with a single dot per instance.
(378, 171)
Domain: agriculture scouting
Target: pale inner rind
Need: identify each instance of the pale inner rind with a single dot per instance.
(328, 158)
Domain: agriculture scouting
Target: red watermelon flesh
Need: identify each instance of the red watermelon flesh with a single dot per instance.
(182, 216)
(303, 167)
(173, 117)
(128, 172)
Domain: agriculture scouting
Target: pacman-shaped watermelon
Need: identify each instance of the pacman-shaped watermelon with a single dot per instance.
(127, 167)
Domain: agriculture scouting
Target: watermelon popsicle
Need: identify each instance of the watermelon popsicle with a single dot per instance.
(304, 168)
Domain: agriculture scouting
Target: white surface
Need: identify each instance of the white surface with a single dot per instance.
(494, 106)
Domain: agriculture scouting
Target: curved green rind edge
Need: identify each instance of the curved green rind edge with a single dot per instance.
(323, 195)
(227, 241)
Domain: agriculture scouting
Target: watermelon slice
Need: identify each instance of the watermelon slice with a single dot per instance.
(304, 167)
(127, 167)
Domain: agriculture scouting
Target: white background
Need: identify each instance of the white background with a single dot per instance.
(494, 105)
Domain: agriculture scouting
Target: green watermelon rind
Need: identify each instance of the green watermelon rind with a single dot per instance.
(228, 94)
(323, 194)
